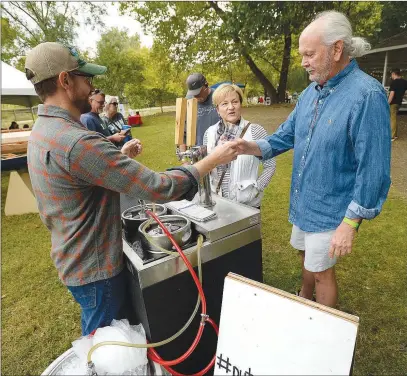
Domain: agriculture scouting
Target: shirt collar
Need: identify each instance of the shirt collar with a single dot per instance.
(334, 81)
(55, 111)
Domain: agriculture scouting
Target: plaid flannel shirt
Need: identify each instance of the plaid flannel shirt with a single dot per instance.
(77, 176)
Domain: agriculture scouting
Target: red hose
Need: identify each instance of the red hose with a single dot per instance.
(153, 355)
(156, 358)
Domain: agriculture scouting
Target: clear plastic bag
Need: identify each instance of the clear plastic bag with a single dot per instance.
(113, 359)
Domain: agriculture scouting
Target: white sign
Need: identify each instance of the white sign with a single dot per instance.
(266, 331)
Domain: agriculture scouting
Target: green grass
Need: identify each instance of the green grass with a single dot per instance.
(40, 319)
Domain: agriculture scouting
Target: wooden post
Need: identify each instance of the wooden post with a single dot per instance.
(385, 69)
(192, 117)
(180, 116)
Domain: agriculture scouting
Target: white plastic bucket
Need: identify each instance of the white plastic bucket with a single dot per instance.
(56, 366)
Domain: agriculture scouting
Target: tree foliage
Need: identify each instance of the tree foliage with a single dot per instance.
(252, 42)
(393, 20)
(8, 37)
(122, 55)
(35, 22)
(260, 33)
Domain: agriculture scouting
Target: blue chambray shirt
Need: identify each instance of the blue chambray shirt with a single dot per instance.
(341, 139)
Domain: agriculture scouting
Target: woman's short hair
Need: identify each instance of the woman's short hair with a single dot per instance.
(223, 90)
(109, 101)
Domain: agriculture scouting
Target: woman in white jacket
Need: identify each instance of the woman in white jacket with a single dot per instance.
(239, 180)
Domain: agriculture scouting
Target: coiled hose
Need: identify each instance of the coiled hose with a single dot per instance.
(153, 355)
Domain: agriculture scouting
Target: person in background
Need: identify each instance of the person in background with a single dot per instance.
(340, 133)
(25, 126)
(93, 122)
(207, 115)
(13, 125)
(77, 177)
(135, 119)
(114, 121)
(397, 89)
(239, 180)
(138, 118)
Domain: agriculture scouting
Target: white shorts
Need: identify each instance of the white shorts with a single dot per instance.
(316, 246)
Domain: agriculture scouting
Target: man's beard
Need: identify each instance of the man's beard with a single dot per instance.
(82, 105)
(325, 70)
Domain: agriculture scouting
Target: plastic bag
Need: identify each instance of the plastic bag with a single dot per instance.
(113, 359)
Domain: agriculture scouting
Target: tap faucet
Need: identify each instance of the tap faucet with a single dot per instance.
(186, 111)
(142, 212)
(195, 154)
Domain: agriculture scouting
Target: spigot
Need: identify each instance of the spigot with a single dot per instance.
(142, 208)
(195, 154)
(192, 154)
(91, 369)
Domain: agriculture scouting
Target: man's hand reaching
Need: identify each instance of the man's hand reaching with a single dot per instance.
(132, 148)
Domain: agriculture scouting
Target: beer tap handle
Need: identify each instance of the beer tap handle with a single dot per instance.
(180, 117)
(192, 117)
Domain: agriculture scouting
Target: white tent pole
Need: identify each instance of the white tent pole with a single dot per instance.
(385, 68)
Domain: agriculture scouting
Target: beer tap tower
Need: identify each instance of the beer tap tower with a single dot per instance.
(187, 110)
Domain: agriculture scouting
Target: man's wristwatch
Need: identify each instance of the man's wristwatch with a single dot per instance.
(352, 223)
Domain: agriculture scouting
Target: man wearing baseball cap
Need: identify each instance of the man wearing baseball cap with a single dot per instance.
(77, 176)
(207, 115)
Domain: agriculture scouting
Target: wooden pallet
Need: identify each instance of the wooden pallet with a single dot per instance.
(14, 148)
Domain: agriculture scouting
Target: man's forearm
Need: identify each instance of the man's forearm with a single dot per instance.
(206, 165)
(253, 149)
(391, 96)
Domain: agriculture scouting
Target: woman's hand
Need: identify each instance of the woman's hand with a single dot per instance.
(117, 138)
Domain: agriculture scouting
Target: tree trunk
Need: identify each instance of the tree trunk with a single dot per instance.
(285, 64)
(268, 86)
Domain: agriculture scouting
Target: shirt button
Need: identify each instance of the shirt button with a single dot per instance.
(296, 191)
(303, 157)
(299, 174)
(320, 101)
(308, 139)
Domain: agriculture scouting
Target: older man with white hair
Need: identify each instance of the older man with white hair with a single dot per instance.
(340, 133)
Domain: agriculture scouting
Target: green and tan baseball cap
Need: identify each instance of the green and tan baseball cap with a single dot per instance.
(49, 59)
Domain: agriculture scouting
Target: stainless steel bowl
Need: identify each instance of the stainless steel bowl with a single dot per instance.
(178, 226)
(133, 217)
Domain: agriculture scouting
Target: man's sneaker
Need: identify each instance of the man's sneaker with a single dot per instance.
(394, 139)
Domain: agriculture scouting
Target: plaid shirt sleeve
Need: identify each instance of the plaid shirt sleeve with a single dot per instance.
(97, 161)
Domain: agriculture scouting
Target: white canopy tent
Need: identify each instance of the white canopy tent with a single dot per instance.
(15, 88)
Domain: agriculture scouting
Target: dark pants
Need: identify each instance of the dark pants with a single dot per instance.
(102, 301)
